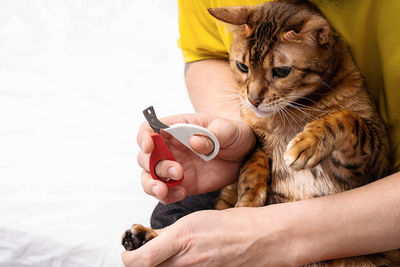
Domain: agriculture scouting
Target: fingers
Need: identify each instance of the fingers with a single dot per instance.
(159, 190)
(164, 169)
(200, 143)
(143, 138)
(167, 169)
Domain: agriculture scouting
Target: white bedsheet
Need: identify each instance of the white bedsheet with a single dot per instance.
(75, 76)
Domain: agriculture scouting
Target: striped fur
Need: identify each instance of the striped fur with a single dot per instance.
(318, 129)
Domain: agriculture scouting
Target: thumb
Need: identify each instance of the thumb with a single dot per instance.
(154, 252)
(225, 130)
(201, 144)
(236, 138)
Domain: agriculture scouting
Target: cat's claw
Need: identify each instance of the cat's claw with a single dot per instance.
(288, 157)
(304, 151)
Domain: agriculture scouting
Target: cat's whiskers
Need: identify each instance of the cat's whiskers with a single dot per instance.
(285, 116)
(231, 94)
(307, 107)
(294, 116)
(302, 111)
(285, 111)
(324, 83)
(233, 107)
(280, 115)
(302, 107)
(294, 97)
(309, 115)
(235, 102)
(230, 97)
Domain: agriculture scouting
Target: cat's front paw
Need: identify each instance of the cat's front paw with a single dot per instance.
(306, 150)
(137, 236)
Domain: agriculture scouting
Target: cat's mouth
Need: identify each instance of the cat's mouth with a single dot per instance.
(265, 109)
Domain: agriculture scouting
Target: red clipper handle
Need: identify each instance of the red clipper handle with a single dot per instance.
(161, 152)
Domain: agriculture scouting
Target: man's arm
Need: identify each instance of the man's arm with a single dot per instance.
(212, 88)
(356, 222)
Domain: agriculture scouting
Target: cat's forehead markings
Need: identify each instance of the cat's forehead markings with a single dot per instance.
(282, 57)
(268, 61)
(244, 57)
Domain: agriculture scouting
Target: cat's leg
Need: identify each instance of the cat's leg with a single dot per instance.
(348, 142)
(252, 183)
(227, 198)
(137, 236)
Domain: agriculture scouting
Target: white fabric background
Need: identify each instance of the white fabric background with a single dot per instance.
(75, 76)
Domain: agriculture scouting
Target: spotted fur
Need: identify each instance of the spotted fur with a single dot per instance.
(318, 129)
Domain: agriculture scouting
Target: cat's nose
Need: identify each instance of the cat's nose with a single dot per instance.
(255, 101)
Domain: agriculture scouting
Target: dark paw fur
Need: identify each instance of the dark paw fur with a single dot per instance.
(137, 236)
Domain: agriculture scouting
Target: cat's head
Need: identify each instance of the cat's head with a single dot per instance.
(281, 52)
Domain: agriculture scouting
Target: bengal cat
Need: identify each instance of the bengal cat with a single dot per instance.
(318, 129)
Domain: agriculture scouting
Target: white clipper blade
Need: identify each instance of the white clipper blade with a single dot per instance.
(183, 131)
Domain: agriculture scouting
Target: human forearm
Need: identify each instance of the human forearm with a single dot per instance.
(289, 234)
(212, 88)
(356, 222)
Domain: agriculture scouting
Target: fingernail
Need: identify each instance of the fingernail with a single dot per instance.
(154, 189)
(203, 139)
(206, 142)
(173, 173)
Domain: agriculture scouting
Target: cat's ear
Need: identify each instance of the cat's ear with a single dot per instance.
(235, 15)
(315, 29)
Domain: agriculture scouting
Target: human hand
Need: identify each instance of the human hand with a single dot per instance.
(236, 140)
(233, 237)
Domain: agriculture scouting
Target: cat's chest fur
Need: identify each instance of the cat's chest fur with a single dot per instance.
(284, 181)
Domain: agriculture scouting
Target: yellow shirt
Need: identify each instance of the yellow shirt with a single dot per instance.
(370, 27)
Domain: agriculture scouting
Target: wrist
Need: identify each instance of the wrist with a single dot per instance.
(287, 229)
(299, 233)
(275, 234)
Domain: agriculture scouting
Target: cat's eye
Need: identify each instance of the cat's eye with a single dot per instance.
(281, 71)
(242, 67)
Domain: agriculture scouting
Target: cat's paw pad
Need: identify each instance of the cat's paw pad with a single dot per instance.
(302, 152)
(137, 236)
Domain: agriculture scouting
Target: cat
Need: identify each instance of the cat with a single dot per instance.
(318, 129)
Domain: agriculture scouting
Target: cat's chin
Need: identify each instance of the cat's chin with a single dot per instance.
(261, 113)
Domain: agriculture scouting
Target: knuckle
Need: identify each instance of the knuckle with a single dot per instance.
(144, 181)
(187, 234)
(148, 258)
(144, 124)
(143, 161)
